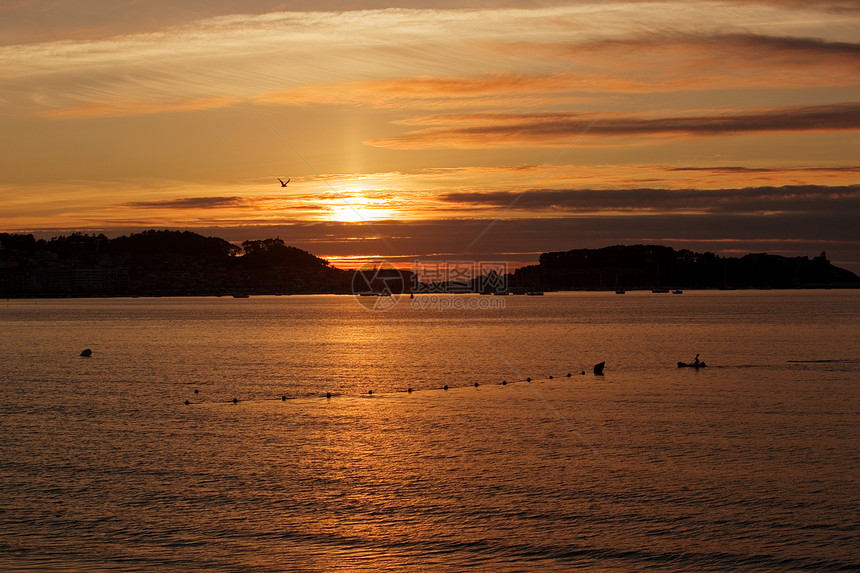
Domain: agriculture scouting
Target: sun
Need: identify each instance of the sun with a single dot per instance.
(358, 209)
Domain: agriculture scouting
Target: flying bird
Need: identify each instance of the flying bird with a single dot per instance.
(283, 183)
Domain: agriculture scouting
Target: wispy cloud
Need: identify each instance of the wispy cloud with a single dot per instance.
(782, 173)
(637, 64)
(430, 58)
(117, 108)
(686, 51)
(242, 56)
(559, 129)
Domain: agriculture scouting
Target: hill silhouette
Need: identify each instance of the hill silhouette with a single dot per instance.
(660, 267)
(160, 263)
(177, 263)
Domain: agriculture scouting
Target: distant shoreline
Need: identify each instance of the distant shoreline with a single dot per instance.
(172, 263)
(273, 294)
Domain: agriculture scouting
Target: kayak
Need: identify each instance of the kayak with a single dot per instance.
(691, 365)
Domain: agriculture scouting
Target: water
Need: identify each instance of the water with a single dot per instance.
(750, 464)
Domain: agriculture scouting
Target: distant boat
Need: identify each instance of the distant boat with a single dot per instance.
(660, 290)
(620, 291)
(535, 293)
(241, 295)
(677, 291)
(691, 365)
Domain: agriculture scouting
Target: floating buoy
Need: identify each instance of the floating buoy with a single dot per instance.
(568, 374)
(187, 402)
(87, 353)
(328, 394)
(583, 372)
(369, 392)
(409, 390)
(528, 379)
(598, 368)
(550, 377)
(235, 400)
(504, 382)
(445, 387)
(283, 398)
(195, 391)
(476, 384)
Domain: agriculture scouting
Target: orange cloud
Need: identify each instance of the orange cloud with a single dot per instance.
(661, 63)
(509, 91)
(122, 108)
(490, 90)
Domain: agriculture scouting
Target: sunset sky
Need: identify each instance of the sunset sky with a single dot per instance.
(437, 130)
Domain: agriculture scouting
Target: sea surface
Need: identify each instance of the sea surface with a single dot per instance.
(750, 464)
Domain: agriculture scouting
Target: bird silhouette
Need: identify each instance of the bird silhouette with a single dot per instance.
(283, 183)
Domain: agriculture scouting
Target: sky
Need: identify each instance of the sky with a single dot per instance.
(446, 131)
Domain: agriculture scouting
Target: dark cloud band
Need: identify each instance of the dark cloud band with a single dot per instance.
(512, 130)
